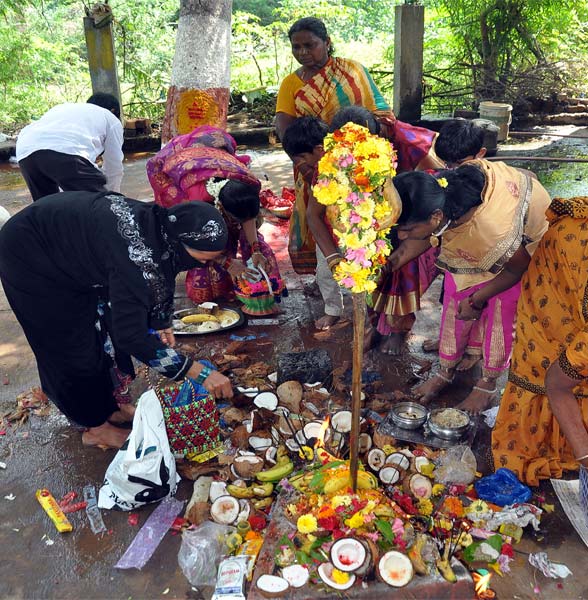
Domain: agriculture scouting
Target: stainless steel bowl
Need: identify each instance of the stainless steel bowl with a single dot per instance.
(409, 415)
(445, 432)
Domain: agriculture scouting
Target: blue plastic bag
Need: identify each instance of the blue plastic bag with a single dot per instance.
(502, 488)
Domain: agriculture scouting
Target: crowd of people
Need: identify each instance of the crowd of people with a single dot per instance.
(514, 261)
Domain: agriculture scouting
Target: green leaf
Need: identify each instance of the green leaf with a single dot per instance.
(385, 529)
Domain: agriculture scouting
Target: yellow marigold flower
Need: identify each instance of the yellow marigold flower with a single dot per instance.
(291, 508)
(477, 507)
(340, 577)
(438, 489)
(425, 507)
(343, 500)
(442, 182)
(388, 449)
(306, 524)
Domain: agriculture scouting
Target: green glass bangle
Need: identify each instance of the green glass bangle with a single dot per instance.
(206, 371)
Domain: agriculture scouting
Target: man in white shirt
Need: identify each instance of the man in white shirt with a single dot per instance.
(59, 151)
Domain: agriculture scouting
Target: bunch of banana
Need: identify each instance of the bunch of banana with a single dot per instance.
(251, 491)
(341, 479)
(201, 318)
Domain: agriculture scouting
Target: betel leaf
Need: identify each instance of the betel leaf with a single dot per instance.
(385, 529)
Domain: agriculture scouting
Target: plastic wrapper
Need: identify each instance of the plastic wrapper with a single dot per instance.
(519, 514)
(502, 488)
(457, 466)
(550, 569)
(201, 552)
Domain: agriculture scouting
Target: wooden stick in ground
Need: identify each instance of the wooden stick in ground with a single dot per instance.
(359, 310)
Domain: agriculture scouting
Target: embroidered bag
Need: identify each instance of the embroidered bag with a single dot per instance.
(191, 419)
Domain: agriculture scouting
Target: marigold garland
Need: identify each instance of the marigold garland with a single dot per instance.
(353, 174)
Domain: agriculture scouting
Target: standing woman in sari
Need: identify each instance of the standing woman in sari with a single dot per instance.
(320, 88)
(203, 165)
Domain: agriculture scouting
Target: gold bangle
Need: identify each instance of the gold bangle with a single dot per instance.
(579, 458)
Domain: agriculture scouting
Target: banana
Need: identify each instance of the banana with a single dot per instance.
(263, 503)
(366, 481)
(338, 482)
(264, 490)
(277, 472)
(446, 570)
(240, 492)
(282, 455)
(415, 555)
(189, 319)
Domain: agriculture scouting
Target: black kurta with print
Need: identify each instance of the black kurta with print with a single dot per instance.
(62, 256)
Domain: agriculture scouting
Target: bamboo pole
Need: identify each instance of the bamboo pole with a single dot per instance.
(359, 311)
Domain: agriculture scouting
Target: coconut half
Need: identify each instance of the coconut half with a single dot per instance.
(273, 377)
(260, 441)
(296, 575)
(272, 586)
(419, 486)
(225, 510)
(217, 489)
(266, 400)
(249, 392)
(325, 571)
(399, 460)
(341, 421)
(312, 430)
(376, 459)
(389, 475)
(290, 395)
(395, 569)
(247, 466)
(348, 554)
(365, 442)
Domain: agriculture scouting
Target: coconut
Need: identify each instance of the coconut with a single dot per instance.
(365, 442)
(395, 569)
(240, 437)
(348, 554)
(311, 386)
(399, 460)
(296, 575)
(225, 510)
(293, 445)
(383, 439)
(244, 510)
(247, 466)
(208, 308)
(422, 465)
(260, 441)
(266, 400)
(311, 408)
(272, 586)
(234, 416)
(373, 555)
(376, 459)
(312, 430)
(290, 395)
(273, 377)
(341, 421)
(325, 571)
(289, 427)
(418, 485)
(270, 455)
(249, 392)
(389, 474)
(217, 488)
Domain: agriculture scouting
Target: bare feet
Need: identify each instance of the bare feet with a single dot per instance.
(469, 361)
(124, 414)
(429, 390)
(431, 345)
(480, 397)
(392, 344)
(325, 322)
(105, 436)
(311, 289)
(371, 338)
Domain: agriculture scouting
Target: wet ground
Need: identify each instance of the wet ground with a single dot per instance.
(38, 562)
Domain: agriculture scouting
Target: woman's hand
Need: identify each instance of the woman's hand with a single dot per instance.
(467, 312)
(167, 336)
(218, 385)
(237, 270)
(259, 261)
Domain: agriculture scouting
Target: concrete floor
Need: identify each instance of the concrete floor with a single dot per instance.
(46, 452)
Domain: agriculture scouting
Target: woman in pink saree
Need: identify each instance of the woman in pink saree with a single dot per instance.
(203, 166)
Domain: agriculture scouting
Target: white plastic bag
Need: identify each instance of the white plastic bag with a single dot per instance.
(144, 469)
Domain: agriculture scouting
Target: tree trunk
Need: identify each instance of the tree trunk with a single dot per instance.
(199, 90)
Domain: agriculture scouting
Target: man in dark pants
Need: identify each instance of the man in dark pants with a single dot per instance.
(59, 151)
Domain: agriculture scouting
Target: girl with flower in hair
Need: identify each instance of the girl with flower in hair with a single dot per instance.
(487, 219)
(203, 166)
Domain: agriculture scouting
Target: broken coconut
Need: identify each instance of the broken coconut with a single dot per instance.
(249, 392)
(348, 554)
(418, 485)
(240, 437)
(395, 569)
(225, 510)
(325, 571)
(290, 395)
(376, 459)
(217, 489)
(389, 474)
(398, 459)
(260, 441)
(272, 586)
(341, 421)
(365, 442)
(296, 575)
(247, 466)
(266, 400)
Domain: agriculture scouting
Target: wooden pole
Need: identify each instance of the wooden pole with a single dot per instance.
(359, 310)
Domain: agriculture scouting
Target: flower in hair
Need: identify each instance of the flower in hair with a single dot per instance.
(214, 189)
(442, 182)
